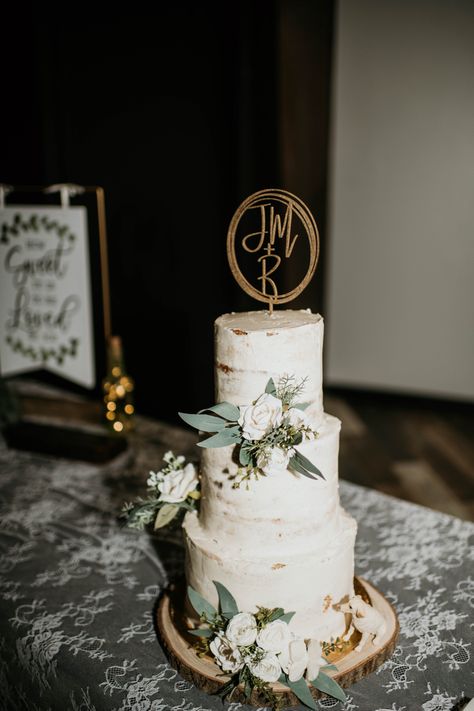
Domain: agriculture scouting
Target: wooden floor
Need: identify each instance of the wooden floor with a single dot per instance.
(412, 448)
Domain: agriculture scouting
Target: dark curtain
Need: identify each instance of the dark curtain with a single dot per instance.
(178, 118)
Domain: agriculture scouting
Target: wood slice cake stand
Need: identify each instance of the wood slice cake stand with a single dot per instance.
(206, 675)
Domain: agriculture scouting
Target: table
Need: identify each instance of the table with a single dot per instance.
(77, 591)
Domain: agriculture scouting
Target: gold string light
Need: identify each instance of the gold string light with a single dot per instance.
(118, 390)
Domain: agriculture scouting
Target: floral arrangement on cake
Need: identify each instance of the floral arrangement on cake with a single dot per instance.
(257, 650)
(268, 431)
(175, 488)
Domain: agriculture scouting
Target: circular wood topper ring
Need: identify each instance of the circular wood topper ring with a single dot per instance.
(293, 206)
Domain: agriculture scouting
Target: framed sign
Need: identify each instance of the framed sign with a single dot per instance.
(48, 320)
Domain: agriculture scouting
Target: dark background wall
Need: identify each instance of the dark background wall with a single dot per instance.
(179, 119)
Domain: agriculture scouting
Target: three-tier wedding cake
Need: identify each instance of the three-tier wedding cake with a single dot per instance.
(281, 539)
(271, 612)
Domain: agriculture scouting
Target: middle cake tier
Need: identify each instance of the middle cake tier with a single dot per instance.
(282, 509)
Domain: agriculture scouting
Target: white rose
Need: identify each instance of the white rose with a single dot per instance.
(227, 656)
(274, 459)
(296, 417)
(275, 637)
(259, 419)
(315, 660)
(294, 659)
(177, 485)
(299, 419)
(242, 629)
(267, 669)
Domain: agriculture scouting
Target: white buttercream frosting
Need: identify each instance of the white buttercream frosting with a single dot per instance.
(282, 540)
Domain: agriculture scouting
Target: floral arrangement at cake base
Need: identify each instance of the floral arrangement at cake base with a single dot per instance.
(256, 650)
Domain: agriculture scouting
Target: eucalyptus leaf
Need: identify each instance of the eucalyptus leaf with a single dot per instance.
(244, 456)
(205, 632)
(277, 614)
(309, 466)
(247, 690)
(270, 387)
(328, 667)
(223, 438)
(328, 686)
(301, 406)
(229, 687)
(226, 410)
(202, 606)
(301, 690)
(205, 423)
(294, 464)
(287, 616)
(235, 429)
(165, 515)
(226, 601)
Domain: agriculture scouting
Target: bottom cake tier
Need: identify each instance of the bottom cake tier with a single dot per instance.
(311, 582)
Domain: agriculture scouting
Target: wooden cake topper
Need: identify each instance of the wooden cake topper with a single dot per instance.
(273, 224)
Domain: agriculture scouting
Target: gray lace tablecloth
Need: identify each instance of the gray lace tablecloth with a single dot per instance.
(77, 595)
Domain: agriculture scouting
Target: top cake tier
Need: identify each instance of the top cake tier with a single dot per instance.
(253, 346)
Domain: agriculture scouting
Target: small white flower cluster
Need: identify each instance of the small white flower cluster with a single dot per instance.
(266, 415)
(174, 482)
(267, 652)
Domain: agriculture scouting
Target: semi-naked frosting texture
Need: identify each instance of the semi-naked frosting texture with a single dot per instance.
(282, 540)
(254, 346)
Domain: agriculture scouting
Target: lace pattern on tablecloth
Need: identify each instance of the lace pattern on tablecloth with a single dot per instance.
(77, 595)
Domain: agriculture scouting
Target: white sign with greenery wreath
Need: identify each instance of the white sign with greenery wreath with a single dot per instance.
(45, 294)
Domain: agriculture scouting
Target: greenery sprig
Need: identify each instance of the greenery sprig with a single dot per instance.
(44, 354)
(34, 223)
